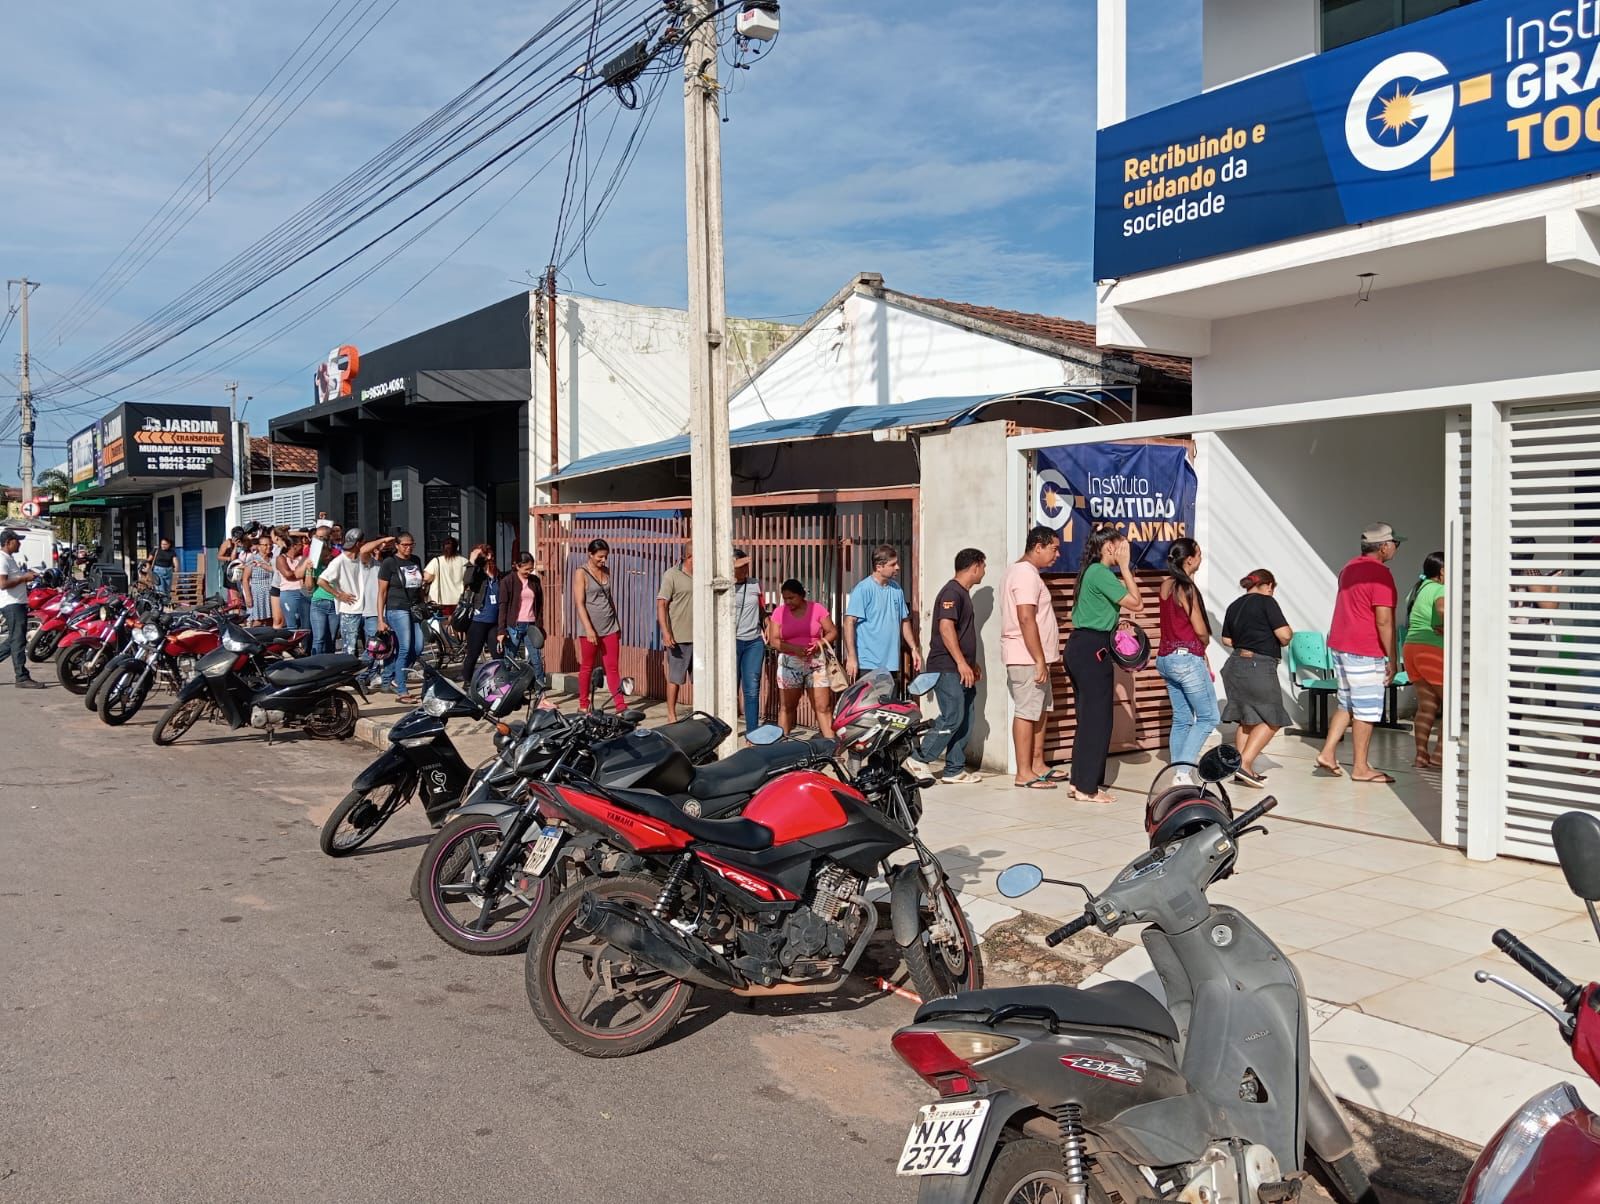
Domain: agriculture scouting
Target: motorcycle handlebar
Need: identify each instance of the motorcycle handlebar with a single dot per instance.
(1248, 819)
(1070, 928)
(1535, 965)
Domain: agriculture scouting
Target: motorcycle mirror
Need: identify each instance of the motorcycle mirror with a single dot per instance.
(627, 686)
(769, 733)
(921, 684)
(1220, 763)
(1017, 880)
(1576, 835)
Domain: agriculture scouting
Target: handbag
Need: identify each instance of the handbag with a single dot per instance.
(838, 679)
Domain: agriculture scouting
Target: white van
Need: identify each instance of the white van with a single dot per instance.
(38, 549)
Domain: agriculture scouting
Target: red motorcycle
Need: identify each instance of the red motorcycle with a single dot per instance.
(60, 615)
(1550, 1150)
(770, 903)
(88, 647)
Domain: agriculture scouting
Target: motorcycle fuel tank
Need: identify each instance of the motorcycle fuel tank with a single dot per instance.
(798, 805)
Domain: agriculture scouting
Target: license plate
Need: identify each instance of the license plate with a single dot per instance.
(544, 851)
(943, 1139)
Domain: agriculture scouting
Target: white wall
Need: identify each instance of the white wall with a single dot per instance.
(1445, 332)
(1247, 37)
(871, 352)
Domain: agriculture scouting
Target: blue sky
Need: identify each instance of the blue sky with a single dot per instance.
(938, 143)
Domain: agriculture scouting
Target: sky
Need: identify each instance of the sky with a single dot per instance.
(948, 146)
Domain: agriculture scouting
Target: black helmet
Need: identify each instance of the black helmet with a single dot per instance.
(1182, 811)
(1130, 647)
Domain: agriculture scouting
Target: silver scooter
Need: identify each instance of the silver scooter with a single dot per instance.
(1102, 1094)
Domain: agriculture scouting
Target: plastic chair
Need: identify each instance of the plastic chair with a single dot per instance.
(1311, 672)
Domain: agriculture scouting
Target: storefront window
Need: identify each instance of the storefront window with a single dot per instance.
(1346, 21)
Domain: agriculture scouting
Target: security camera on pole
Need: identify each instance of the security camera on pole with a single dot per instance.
(710, 471)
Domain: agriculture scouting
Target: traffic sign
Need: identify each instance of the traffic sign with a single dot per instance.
(30, 510)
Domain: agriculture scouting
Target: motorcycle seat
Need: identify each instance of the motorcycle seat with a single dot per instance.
(694, 736)
(1107, 1005)
(743, 834)
(745, 770)
(265, 635)
(312, 668)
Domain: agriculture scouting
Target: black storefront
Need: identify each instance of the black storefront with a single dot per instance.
(429, 434)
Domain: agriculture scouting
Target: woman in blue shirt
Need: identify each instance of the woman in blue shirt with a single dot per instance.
(483, 592)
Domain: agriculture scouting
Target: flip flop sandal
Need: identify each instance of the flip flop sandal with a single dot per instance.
(1382, 779)
(1036, 784)
(1057, 775)
(1337, 771)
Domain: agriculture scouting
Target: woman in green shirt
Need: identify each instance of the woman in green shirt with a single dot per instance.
(1106, 590)
(1424, 652)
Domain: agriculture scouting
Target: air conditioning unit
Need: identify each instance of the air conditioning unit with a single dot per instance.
(758, 22)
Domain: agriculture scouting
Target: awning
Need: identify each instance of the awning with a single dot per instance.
(94, 507)
(854, 420)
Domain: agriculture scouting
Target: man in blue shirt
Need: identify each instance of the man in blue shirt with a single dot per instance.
(876, 620)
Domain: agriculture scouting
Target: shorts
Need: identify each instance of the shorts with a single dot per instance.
(680, 664)
(1425, 662)
(799, 673)
(1361, 684)
(1031, 699)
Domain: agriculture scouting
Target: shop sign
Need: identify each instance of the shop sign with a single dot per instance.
(1485, 98)
(1147, 490)
(335, 376)
(83, 460)
(177, 441)
(387, 389)
(113, 450)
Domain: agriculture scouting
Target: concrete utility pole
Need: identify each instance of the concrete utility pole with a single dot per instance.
(25, 401)
(710, 471)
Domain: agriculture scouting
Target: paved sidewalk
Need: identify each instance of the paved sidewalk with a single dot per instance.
(1386, 932)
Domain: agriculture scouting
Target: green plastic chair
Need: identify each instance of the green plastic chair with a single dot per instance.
(1311, 672)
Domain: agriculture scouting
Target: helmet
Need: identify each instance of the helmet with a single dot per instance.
(1130, 647)
(382, 647)
(1182, 811)
(501, 685)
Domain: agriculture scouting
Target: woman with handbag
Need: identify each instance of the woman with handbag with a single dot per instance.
(1181, 659)
(481, 602)
(1106, 590)
(802, 634)
(522, 613)
(597, 612)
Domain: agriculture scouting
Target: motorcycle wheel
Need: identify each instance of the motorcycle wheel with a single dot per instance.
(1029, 1172)
(334, 717)
(91, 699)
(42, 645)
(76, 667)
(939, 968)
(359, 815)
(177, 719)
(1343, 1178)
(492, 920)
(122, 694)
(591, 997)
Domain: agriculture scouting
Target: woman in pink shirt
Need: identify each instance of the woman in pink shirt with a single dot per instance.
(797, 631)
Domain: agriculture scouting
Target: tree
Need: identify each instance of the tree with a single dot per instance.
(57, 485)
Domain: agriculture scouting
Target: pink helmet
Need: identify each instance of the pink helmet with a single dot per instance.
(382, 647)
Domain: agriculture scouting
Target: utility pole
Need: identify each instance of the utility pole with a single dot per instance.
(25, 401)
(710, 470)
(550, 361)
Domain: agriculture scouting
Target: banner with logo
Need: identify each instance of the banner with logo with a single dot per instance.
(1146, 489)
(83, 460)
(177, 441)
(1488, 97)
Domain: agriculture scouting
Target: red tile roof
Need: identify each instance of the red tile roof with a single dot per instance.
(1061, 330)
(267, 456)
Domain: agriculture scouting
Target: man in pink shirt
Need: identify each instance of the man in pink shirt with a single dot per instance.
(1030, 642)
(1362, 641)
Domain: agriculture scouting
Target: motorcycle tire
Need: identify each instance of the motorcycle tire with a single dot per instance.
(934, 972)
(73, 666)
(177, 719)
(546, 944)
(334, 717)
(42, 645)
(1343, 1178)
(360, 814)
(123, 693)
(91, 699)
(1025, 1171)
(442, 882)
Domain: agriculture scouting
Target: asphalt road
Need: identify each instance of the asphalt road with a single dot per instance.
(199, 1006)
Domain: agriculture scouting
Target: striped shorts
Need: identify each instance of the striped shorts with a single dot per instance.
(1361, 684)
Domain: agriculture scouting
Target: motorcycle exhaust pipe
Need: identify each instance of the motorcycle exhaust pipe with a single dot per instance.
(656, 942)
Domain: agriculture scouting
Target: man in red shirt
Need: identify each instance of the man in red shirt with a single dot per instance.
(1362, 641)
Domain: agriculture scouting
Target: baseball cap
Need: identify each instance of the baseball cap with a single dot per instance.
(352, 536)
(10, 533)
(1380, 533)
(740, 557)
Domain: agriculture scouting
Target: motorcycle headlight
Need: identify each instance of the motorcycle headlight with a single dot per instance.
(235, 645)
(434, 705)
(148, 634)
(1504, 1161)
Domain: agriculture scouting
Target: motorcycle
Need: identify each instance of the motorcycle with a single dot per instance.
(770, 903)
(70, 609)
(440, 644)
(1550, 1149)
(86, 649)
(230, 686)
(1104, 1093)
(485, 874)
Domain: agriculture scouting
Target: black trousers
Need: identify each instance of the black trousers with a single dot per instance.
(479, 636)
(1093, 675)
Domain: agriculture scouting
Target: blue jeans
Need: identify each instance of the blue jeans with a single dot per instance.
(293, 603)
(1194, 703)
(752, 655)
(163, 579)
(948, 735)
(408, 638)
(324, 625)
(354, 632)
(517, 641)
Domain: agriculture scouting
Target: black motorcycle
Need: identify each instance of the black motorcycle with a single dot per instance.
(232, 687)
